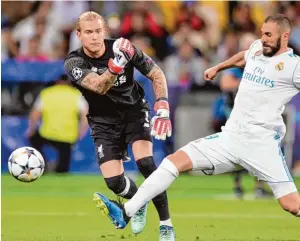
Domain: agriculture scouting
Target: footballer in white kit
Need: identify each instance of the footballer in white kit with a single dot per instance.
(251, 137)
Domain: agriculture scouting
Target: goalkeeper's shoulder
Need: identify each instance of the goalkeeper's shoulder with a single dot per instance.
(74, 54)
(109, 42)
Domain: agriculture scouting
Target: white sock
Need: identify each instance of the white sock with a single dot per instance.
(155, 184)
(298, 214)
(166, 222)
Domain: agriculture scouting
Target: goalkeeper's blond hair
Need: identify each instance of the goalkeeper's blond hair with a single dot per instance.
(89, 16)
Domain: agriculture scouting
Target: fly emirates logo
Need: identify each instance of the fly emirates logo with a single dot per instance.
(258, 78)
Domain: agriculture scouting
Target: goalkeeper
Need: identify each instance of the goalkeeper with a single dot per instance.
(102, 69)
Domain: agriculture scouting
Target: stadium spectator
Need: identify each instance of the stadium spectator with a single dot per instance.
(33, 52)
(196, 38)
(295, 35)
(228, 46)
(145, 24)
(191, 24)
(189, 15)
(185, 67)
(296, 155)
(37, 24)
(242, 20)
(70, 10)
(60, 126)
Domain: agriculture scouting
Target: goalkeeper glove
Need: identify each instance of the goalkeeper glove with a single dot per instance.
(123, 51)
(160, 124)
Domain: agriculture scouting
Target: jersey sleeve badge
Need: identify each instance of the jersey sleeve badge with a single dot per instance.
(77, 73)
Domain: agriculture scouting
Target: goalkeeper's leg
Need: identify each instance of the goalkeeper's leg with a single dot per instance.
(146, 166)
(143, 154)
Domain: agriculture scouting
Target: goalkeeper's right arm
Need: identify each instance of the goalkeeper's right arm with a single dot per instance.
(236, 60)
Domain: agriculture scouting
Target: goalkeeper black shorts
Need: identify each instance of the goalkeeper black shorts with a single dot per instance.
(112, 134)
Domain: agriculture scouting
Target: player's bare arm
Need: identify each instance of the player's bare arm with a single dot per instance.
(161, 127)
(159, 82)
(99, 83)
(34, 118)
(161, 124)
(102, 83)
(147, 67)
(236, 60)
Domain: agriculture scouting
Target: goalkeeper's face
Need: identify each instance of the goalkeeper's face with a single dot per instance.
(91, 34)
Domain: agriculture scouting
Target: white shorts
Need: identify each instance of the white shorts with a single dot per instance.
(256, 150)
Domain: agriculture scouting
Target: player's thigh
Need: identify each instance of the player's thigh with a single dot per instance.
(111, 168)
(109, 153)
(108, 148)
(265, 160)
(211, 155)
(108, 141)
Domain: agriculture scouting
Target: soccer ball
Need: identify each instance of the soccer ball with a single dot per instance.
(26, 164)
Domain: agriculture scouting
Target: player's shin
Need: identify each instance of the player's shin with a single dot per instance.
(152, 186)
(146, 167)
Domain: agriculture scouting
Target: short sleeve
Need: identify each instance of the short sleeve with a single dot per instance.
(296, 76)
(142, 61)
(77, 69)
(254, 48)
(38, 104)
(82, 104)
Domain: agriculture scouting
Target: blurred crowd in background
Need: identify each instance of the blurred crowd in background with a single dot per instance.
(183, 37)
(196, 33)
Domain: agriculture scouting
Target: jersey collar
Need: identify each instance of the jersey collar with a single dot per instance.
(289, 51)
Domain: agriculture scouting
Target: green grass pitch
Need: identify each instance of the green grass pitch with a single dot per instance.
(60, 208)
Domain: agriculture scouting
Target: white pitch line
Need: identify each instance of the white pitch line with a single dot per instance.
(181, 215)
(46, 213)
(229, 216)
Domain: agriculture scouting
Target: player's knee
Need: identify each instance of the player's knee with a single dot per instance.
(117, 184)
(181, 161)
(169, 166)
(146, 166)
(122, 186)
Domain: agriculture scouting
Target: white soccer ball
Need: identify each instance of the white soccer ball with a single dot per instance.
(26, 164)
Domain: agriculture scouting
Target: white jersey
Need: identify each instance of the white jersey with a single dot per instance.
(268, 83)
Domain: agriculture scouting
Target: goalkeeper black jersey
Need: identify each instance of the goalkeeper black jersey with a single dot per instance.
(125, 92)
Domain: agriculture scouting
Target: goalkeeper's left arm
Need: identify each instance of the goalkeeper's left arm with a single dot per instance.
(160, 123)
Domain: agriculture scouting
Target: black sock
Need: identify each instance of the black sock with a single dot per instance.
(146, 166)
(132, 189)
